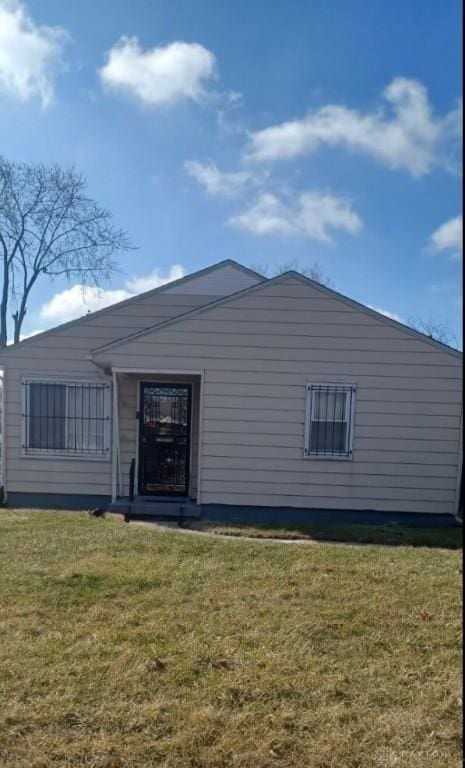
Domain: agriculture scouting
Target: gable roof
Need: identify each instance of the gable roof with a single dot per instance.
(272, 281)
(144, 295)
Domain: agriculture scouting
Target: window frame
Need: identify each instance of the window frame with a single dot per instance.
(310, 389)
(63, 453)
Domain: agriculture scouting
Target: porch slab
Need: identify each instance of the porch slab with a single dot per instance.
(155, 508)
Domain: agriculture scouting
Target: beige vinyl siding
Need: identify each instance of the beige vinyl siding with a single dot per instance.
(259, 350)
(64, 353)
(46, 474)
(94, 330)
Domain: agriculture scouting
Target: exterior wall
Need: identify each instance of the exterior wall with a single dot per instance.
(259, 350)
(128, 389)
(46, 474)
(63, 353)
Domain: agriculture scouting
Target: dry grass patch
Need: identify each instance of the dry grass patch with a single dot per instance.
(390, 535)
(127, 647)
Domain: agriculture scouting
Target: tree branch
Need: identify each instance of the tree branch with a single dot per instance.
(49, 227)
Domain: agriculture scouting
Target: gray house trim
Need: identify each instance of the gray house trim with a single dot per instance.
(459, 485)
(26, 500)
(245, 515)
(272, 281)
(285, 516)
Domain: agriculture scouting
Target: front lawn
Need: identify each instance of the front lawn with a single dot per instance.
(123, 646)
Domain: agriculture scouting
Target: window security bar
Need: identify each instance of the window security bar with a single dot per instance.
(66, 417)
(329, 420)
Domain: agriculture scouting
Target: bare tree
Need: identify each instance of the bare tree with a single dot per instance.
(313, 271)
(439, 331)
(49, 227)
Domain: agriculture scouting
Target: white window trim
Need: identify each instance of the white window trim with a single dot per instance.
(309, 387)
(41, 453)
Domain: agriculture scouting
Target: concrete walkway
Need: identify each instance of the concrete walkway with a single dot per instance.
(171, 527)
(175, 528)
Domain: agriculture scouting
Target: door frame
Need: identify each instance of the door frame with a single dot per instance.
(152, 374)
(142, 383)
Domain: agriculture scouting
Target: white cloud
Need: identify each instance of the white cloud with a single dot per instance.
(312, 215)
(159, 76)
(448, 237)
(387, 313)
(80, 299)
(442, 288)
(411, 137)
(29, 54)
(30, 334)
(227, 116)
(217, 182)
(155, 279)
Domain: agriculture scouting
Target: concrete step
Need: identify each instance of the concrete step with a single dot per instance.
(120, 506)
(161, 508)
(154, 508)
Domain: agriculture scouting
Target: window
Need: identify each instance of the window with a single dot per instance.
(66, 417)
(329, 420)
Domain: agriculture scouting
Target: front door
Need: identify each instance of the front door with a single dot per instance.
(164, 439)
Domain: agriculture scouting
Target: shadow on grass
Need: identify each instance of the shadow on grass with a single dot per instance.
(392, 535)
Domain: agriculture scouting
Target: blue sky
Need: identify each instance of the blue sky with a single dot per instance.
(267, 132)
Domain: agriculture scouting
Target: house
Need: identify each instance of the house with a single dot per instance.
(231, 395)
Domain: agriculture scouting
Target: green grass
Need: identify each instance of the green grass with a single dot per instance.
(449, 538)
(123, 646)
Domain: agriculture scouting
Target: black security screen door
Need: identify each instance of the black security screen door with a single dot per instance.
(165, 422)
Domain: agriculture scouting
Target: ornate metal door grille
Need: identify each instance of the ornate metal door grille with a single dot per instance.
(164, 444)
